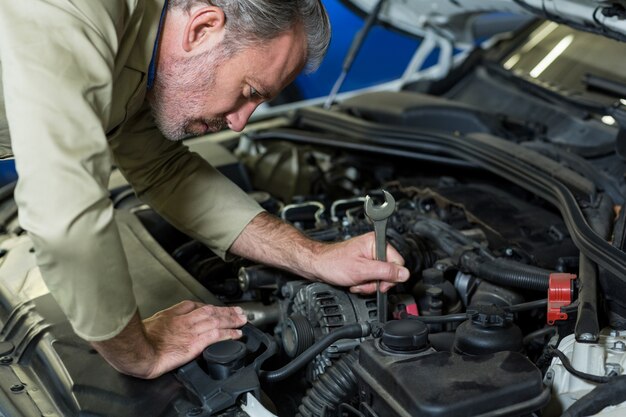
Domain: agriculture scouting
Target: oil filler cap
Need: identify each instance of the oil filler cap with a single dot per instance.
(222, 359)
(404, 336)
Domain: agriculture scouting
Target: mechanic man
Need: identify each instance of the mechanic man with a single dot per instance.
(91, 83)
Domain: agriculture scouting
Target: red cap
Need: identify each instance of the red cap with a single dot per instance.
(410, 309)
(559, 295)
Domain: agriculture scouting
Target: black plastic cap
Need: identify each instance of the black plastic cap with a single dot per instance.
(223, 358)
(490, 316)
(405, 336)
(225, 352)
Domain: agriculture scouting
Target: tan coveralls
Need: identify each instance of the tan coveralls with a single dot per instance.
(72, 89)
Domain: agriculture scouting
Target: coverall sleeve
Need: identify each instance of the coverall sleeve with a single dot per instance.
(57, 75)
(181, 186)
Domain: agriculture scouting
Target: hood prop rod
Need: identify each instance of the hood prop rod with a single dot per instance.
(355, 47)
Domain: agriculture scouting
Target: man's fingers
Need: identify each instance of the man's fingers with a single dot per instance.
(393, 256)
(214, 323)
(388, 273)
(369, 240)
(385, 271)
(367, 288)
(208, 312)
(386, 286)
(370, 287)
(218, 335)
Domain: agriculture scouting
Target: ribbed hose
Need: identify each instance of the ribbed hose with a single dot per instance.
(334, 387)
(513, 274)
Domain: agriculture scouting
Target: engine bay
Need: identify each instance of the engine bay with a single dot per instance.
(507, 216)
(493, 290)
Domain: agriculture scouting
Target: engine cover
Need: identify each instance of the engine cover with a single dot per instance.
(446, 384)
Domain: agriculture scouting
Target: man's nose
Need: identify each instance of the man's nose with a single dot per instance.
(237, 120)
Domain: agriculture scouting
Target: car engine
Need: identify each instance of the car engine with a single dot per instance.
(474, 331)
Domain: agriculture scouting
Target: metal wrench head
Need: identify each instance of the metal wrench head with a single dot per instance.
(382, 212)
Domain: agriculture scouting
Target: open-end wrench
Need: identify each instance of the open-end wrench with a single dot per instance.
(379, 215)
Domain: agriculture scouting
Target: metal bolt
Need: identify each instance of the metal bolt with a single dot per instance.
(612, 369)
(5, 360)
(508, 252)
(194, 412)
(17, 388)
(621, 346)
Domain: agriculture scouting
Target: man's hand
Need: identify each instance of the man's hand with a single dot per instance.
(351, 264)
(170, 338)
(270, 241)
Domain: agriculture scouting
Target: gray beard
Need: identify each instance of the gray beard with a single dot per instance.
(174, 91)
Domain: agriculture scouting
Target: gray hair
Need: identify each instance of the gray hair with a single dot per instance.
(250, 22)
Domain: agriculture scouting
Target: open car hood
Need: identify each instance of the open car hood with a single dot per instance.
(454, 18)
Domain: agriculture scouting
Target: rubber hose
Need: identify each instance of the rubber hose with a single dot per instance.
(611, 393)
(335, 386)
(513, 274)
(351, 331)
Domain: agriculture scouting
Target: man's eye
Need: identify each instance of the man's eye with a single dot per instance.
(254, 93)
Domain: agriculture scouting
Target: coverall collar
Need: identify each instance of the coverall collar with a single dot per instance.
(146, 44)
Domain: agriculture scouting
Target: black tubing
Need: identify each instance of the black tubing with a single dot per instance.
(497, 270)
(449, 318)
(335, 386)
(596, 379)
(351, 331)
(513, 274)
(611, 393)
(541, 333)
(530, 305)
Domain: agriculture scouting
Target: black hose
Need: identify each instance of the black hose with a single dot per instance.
(541, 333)
(497, 270)
(335, 386)
(351, 331)
(449, 318)
(530, 305)
(597, 379)
(611, 393)
(510, 273)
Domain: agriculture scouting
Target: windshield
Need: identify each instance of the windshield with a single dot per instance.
(572, 62)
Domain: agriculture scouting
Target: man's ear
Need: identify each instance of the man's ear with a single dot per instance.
(205, 28)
